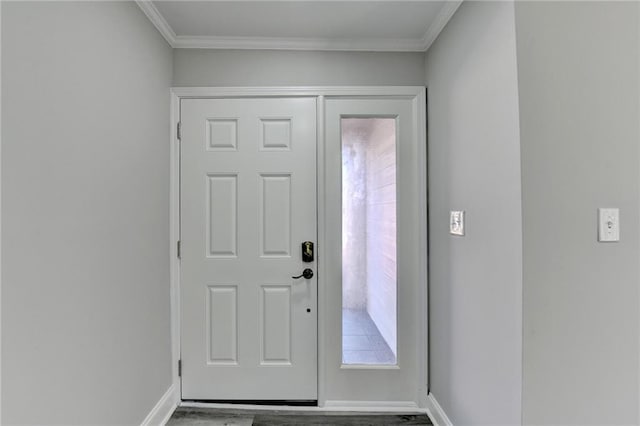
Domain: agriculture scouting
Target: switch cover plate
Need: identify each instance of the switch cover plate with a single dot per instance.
(608, 225)
(456, 222)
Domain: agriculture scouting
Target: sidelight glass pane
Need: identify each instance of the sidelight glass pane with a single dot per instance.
(369, 272)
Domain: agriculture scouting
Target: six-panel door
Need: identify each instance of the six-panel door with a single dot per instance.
(248, 201)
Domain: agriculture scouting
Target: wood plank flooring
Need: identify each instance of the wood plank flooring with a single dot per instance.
(185, 416)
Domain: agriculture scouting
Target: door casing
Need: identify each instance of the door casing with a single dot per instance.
(417, 95)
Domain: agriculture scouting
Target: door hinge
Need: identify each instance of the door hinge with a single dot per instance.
(179, 131)
(178, 249)
(179, 368)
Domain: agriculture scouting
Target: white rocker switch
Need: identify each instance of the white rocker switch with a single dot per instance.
(608, 225)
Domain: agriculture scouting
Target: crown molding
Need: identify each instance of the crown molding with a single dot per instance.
(299, 43)
(438, 24)
(294, 43)
(158, 20)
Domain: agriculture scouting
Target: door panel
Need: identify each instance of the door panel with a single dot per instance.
(368, 376)
(248, 199)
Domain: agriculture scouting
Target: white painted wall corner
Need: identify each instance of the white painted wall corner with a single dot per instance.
(436, 413)
(161, 413)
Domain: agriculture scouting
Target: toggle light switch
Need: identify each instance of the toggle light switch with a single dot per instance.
(608, 225)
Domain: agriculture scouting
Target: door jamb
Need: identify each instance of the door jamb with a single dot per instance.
(417, 93)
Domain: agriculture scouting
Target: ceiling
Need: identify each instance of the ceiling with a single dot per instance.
(301, 25)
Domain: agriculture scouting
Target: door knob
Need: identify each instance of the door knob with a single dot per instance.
(306, 274)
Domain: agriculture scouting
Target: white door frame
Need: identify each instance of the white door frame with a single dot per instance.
(418, 95)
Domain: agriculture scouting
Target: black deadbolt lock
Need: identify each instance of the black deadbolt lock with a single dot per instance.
(307, 251)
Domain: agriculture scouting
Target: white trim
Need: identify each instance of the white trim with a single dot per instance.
(522, 334)
(161, 413)
(321, 229)
(174, 237)
(158, 20)
(417, 93)
(438, 24)
(0, 214)
(327, 91)
(406, 407)
(301, 43)
(436, 413)
(394, 407)
(423, 306)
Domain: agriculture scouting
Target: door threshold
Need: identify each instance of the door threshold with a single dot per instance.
(355, 409)
(255, 402)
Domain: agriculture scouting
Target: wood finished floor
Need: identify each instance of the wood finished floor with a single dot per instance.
(227, 417)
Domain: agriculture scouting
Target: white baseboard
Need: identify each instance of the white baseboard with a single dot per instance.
(436, 413)
(161, 413)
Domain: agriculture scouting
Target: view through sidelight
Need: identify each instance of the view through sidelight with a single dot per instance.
(369, 267)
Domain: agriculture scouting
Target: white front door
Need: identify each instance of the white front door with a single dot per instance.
(248, 202)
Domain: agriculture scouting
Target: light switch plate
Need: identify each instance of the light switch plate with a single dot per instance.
(608, 225)
(456, 222)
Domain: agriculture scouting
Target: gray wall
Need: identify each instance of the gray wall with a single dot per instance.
(202, 67)
(85, 291)
(381, 230)
(354, 134)
(474, 165)
(579, 94)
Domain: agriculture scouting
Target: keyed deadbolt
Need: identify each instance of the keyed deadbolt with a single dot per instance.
(307, 251)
